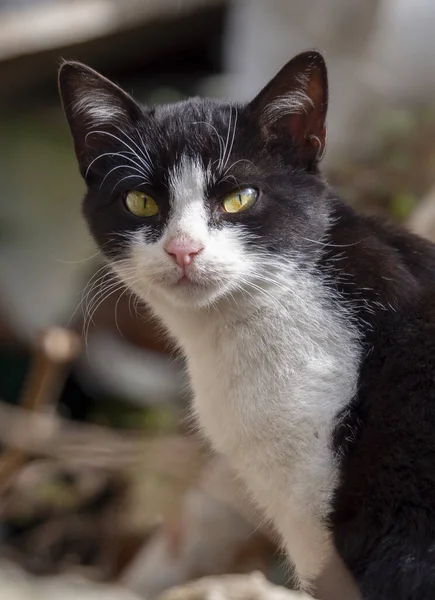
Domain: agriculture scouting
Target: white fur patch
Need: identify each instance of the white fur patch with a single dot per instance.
(98, 108)
(295, 102)
(269, 379)
(187, 194)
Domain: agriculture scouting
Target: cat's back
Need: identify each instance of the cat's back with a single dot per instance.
(416, 253)
(390, 425)
(384, 508)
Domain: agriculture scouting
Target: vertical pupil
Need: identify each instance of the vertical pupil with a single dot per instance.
(240, 198)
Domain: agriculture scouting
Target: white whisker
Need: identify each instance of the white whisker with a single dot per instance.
(124, 155)
(236, 163)
(146, 157)
(145, 181)
(77, 262)
(228, 137)
(220, 140)
(145, 164)
(230, 149)
(142, 174)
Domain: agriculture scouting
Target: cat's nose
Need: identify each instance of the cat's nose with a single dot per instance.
(183, 251)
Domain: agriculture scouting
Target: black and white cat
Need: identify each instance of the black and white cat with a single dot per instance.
(309, 330)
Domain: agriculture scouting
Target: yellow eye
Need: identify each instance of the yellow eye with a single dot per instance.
(141, 204)
(238, 201)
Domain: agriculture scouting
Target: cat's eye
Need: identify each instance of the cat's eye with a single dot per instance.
(140, 204)
(240, 200)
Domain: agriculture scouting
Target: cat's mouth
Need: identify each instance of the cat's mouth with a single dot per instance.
(186, 281)
(197, 285)
(191, 287)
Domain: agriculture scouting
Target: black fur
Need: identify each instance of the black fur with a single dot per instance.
(383, 516)
(384, 510)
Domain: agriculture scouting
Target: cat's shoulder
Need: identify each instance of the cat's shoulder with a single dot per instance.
(373, 234)
(403, 341)
(396, 384)
(416, 252)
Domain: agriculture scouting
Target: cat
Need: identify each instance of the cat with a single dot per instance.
(308, 329)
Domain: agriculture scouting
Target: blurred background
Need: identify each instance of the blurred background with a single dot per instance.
(101, 478)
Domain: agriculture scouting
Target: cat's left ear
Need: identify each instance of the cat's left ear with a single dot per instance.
(293, 105)
(96, 110)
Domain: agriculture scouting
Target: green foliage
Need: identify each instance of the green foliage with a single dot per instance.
(123, 415)
(391, 181)
(402, 205)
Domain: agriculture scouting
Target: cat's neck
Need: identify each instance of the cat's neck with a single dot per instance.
(274, 372)
(295, 308)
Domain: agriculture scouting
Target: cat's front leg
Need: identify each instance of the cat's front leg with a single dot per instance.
(318, 566)
(335, 582)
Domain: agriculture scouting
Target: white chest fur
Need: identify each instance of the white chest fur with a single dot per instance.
(267, 391)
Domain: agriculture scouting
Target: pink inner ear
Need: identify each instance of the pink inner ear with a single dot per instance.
(308, 132)
(308, 128)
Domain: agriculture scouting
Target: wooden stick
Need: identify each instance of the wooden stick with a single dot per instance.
(55, 351)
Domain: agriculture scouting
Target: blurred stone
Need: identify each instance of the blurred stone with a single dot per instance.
(15, 584)
(232, 587)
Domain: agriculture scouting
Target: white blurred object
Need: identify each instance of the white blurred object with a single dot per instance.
(50, 24)
(403, 49)
(378, 52)
(118, 367)
(216, 521)
(15, 584)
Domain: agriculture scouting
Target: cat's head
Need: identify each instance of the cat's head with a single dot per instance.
(196, 201)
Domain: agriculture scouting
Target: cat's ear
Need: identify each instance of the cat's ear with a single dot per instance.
(96, 109)
(294, 104)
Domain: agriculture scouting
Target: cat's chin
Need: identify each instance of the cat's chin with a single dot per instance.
(190, 294)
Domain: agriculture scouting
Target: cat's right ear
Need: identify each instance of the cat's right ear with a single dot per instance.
(96, 110)
(292, 107)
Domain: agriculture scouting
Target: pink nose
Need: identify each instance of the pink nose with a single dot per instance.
(183, 250)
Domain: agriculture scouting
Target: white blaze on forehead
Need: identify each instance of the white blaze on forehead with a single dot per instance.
(187, 188)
